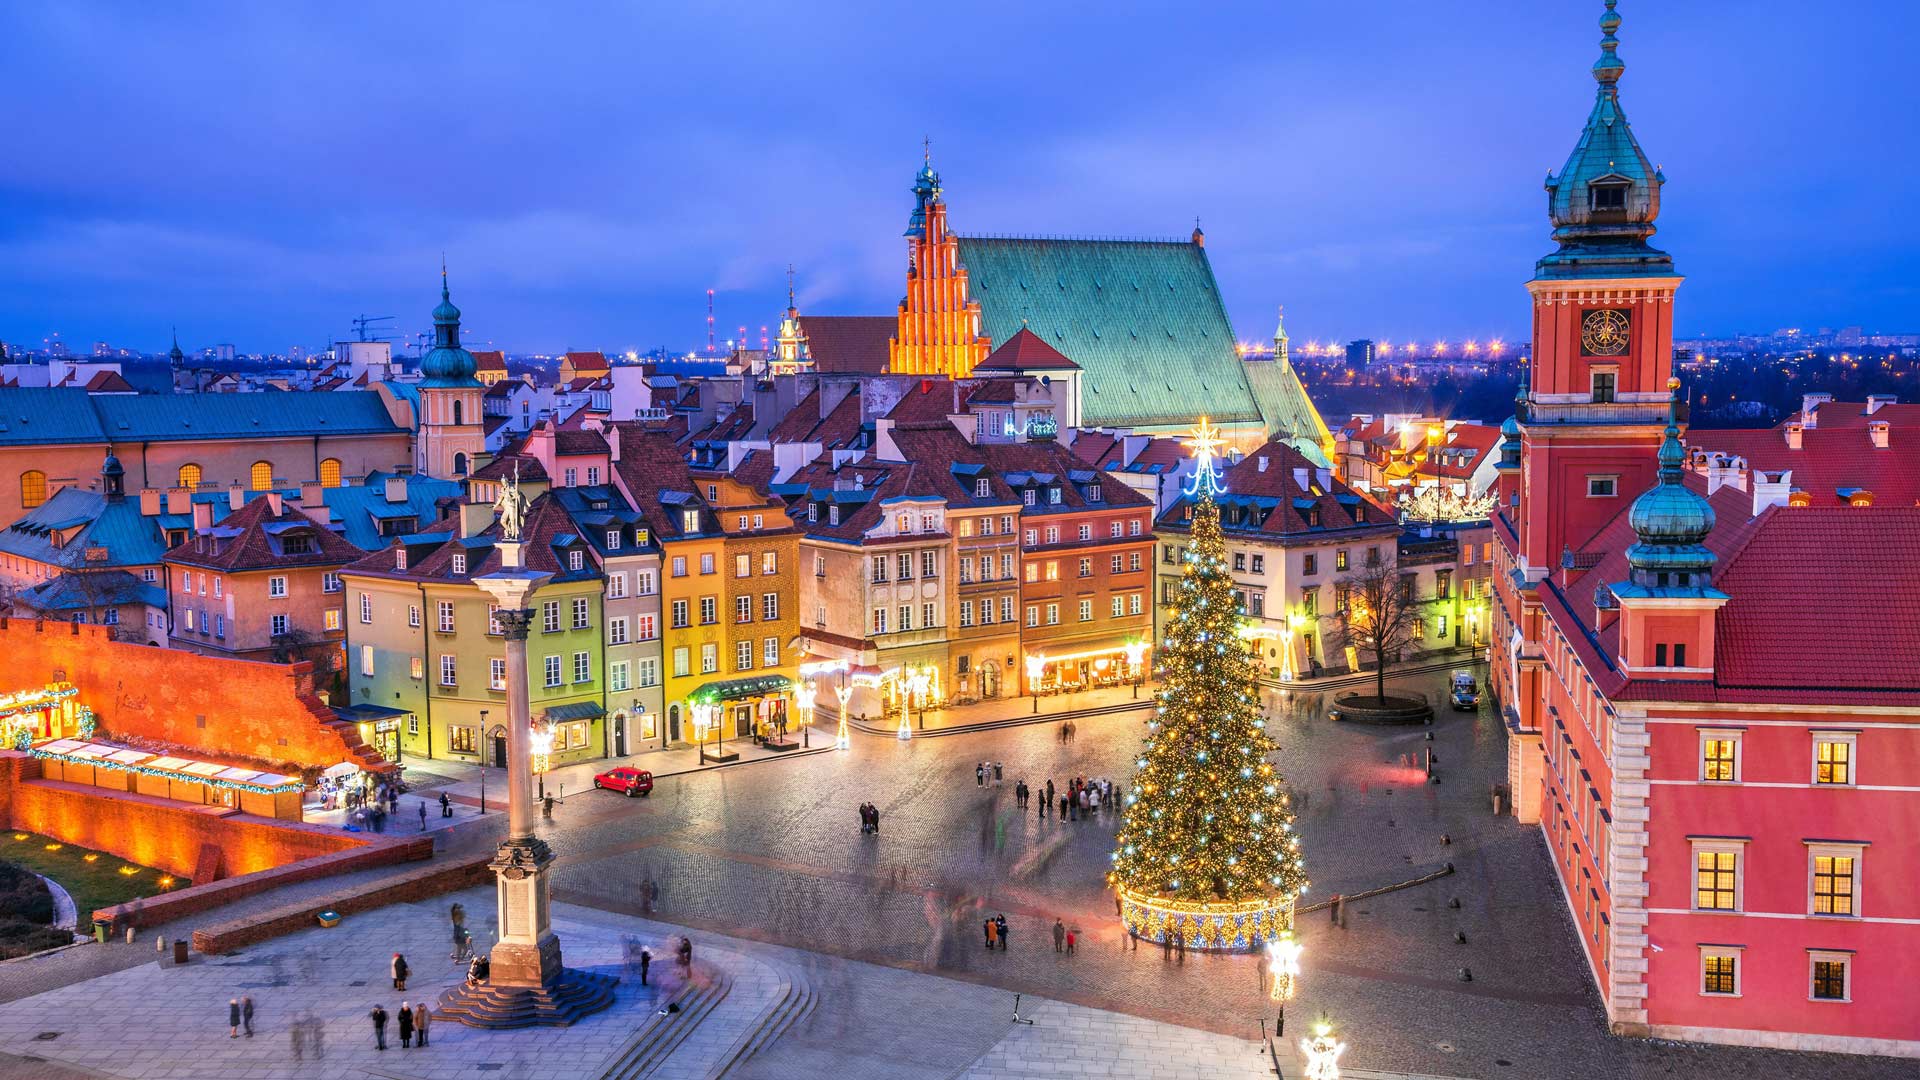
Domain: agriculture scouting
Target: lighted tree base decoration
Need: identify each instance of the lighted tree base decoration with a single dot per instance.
(1223, 926)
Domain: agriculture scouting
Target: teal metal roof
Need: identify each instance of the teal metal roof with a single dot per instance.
(42, 415)
(78, 592)
(745, 686)
(131, 539)
(1142, 318)
(358, 510)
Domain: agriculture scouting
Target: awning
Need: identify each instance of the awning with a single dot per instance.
(576, 710)
(751, 686)
(362, 714)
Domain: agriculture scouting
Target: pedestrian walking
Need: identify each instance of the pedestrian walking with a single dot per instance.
(246, 1016)
(863, 819)
(233, 1018)
(298, 1034)
(1066, 804)
(1063, 733)
(399, 969)
(379, 1016)
(446, 805)
(686, 953)
(1000, 930)
(646, 961)
(1070, 941)
(996, 774)
(423, 817)
(987, 927)
(406, 1025)
(979, 774)
(873, 818)
(1059, 935)
(421, 1018)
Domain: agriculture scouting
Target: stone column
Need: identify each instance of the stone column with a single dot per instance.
(528, 953)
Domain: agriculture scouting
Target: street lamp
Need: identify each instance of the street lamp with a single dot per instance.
(1322, 1053)
(842, 736)
(1136, 651)
(542, 744)
(1036, 667)
(803, 697)
(483, 761)
(1283, 955)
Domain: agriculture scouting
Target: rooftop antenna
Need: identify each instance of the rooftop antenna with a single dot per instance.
(709, 322)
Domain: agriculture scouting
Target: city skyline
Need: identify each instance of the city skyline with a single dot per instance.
(587, 196)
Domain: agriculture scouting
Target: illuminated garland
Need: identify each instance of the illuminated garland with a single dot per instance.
(1207, 851)
(35, 700)
(168, 774)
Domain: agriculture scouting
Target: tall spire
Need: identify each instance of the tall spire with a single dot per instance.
(174, 355)
(1608, 69)
(1280, 338)
(926, 191)
(447, 364)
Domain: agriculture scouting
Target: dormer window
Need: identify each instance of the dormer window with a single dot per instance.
(1609, 194)
(813, 513)
(833, 515)
(459, 562)
(613, 539)
(1053, 496)
(982, 488)
(1093, 493)
(690, 521)
(400, 558)
(576, 559)
(1027, 497)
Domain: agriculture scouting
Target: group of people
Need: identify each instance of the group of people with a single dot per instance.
(869, 818)
(369, 809)
(996, 931)
(1081, 797)
(984, 771)
(1068, 729)
(414, 1020)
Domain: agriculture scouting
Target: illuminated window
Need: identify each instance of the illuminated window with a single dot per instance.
(261, 476)
(33, 488)
(330, 472)
(190, 476)
(1716, 877)
(1829, 976)
(1720, 756)
(1833, 757)
(1720, 971)
(1836, 879)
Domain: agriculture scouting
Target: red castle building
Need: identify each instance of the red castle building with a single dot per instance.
(1709, 667)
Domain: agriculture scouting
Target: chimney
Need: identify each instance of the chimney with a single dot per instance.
(274, 504)
(396, 489)
(149, 502)
(1794, 430)
(884, 448)
(312, 494)
(1878, 431)
(178, 500)
(1875, 401)
(1810, 408)
(475, 518)
(1771, 489)
(202, 517)
(236, 497)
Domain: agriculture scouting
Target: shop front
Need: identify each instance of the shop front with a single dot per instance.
(379, 726)
(53, 711)
(569, 731)
(757, 707)
(1122, 664)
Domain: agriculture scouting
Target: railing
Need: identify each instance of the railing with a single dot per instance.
(1580, 412)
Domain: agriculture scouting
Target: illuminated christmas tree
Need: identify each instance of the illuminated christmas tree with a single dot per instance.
(1207, 851)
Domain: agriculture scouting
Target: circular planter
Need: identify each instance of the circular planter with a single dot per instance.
(1391, 710)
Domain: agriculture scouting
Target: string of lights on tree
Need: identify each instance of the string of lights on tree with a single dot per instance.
(1208, 826)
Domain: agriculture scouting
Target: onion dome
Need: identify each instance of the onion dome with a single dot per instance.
(447, 364)
(1671, 521)
(1510, 444)
(1605, 199)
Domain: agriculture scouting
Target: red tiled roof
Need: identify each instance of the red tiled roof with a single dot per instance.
(930, 401)
(1833, 456)
(755, 470)
(503, 466)
(737, 424)
(1478, 438)
(577, 441)
(650, 462)
(837, 430)
(261, 542)
(587, 361)
(855, 344)
(1287, 479)
(489, 360)
(1027, 351)
(108, 382)
(1096, 447)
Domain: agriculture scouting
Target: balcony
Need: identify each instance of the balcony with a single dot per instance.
(1581, 412)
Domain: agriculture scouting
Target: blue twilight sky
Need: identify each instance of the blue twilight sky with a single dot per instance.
(259, 173)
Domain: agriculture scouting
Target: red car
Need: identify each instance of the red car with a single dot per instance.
(629, 781)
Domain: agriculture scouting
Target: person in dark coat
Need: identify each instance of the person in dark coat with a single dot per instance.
(233, 1018)
(399, 969)
(1000, 930)
(646, 961)
(379, 1016)
(406, 1025)
(446, 805)
(246, 1016)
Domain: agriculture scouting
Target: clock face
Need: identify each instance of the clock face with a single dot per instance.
(1605, 332)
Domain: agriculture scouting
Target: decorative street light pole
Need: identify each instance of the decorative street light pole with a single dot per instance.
(1136, 654)
(1036, 667)
(1283, 953)
(484, 740)
(1322, 1053)
(843, 735)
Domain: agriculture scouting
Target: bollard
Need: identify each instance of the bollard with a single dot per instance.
(1466, 974)
(129, 935)
(159, 943)
(1445, 839)
(1460, 936)
(1454, 903)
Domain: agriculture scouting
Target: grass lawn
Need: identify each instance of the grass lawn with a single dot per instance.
(95, 878)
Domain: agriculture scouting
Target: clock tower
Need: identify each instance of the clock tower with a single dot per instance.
(1595, 407)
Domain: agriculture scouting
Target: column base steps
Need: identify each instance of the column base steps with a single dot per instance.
(573, 996)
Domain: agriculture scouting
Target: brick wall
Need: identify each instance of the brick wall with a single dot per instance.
(408, 886)
(229, 709)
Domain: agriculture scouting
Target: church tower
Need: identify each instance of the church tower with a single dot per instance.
(790, 355)
(939, 331)
(1592, 415)
(450, 433)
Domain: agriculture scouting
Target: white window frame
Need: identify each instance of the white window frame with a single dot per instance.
(449, 670)
(459, 562)
(1612, 480)
(1719, 951)
(1699, 845)
(770, 652)
(1839, 850)
(1700, 754)
(1851, 739)
(551, 671)
(366, 610)
(1842, 956)
(497, 673)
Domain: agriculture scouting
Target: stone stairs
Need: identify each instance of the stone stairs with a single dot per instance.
(663, 1033)
(795, 1001)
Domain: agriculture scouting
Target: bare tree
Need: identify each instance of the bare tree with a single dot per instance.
(1377, 616)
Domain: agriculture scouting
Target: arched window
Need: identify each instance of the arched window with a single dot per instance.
(33, 488)
(190, 476)
(456, 412)
(262, 476)
(459, 464)
(330, 472)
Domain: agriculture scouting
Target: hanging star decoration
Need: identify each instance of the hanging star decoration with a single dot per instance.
(1205, 442)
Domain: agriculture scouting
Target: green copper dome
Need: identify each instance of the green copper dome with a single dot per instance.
(1671, 522)
(448, 364)
(1510, 444)
(1606, 198)
(926, 192)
